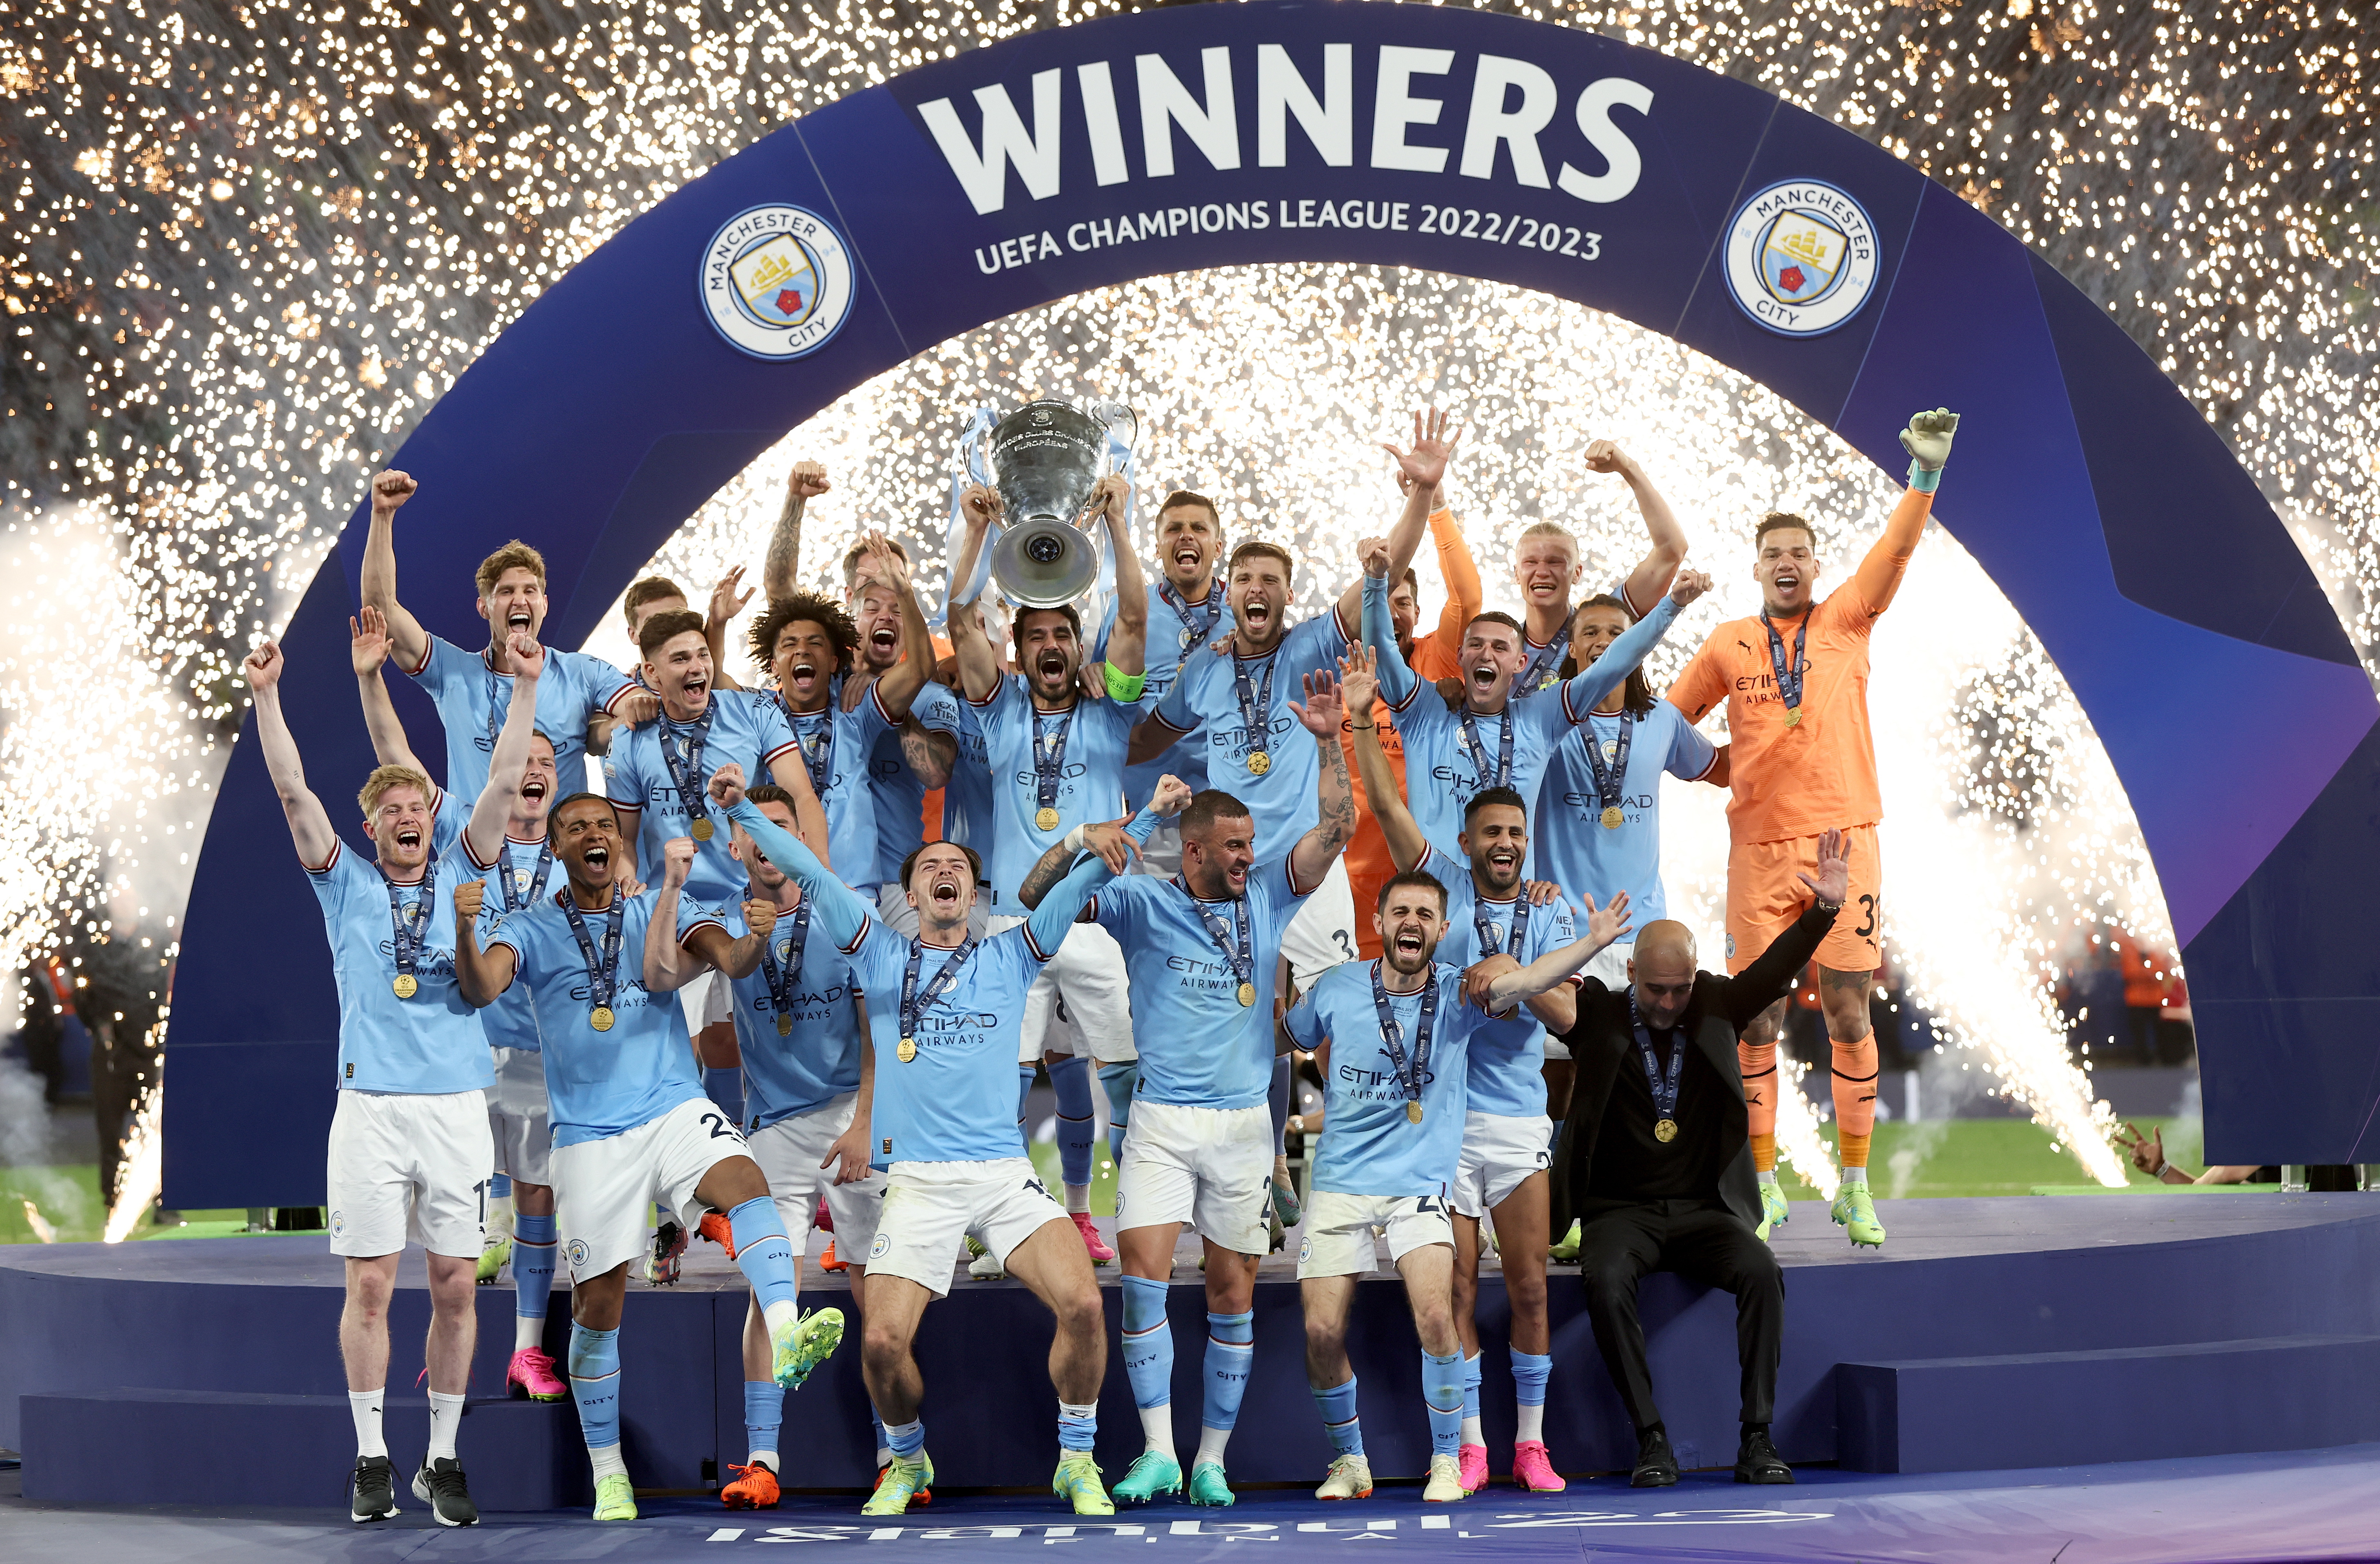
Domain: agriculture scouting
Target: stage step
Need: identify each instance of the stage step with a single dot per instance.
(237, 1448)
(2126, 1403)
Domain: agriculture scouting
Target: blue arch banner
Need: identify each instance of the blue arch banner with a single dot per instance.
(2202, 647)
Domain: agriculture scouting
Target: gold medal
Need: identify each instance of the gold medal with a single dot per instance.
(1612, 818)
(785, 1026)
(600, 1018)
(1792, 716)
(404, 985)
(1258, 762)
(1046, 819)
(1666, 1131)
(907, 1050)
(1413, 1111)
(701, 830)
(1247, 993)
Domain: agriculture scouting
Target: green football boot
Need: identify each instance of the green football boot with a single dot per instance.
(1207, 1485)
(898, 1483)
(1566, 1251)
(801, 1345)
(614, 1499)
(1078, 1482)
(1774, 1212)
(1153, 1475)
(1854, 1210)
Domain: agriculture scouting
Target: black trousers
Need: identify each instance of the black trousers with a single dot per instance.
(1622, 1242)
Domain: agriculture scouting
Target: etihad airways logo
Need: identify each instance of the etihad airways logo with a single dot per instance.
(1504, 120)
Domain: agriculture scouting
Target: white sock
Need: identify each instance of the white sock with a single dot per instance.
(1157, 1428)
(1767, 1177)
(1210, 1447)
(1855, 1176)
(528, 1332)
(762, 1458)
(883, 1457)
(445, 1417)
(1533, 1425)
(1078, 1200)
(500, 1219)
(606, 1462)
(1472, 1433)
(365, 1406)
(783, 1311)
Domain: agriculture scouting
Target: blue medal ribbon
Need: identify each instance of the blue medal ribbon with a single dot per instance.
(780, 979)
(913, 1003)
(515, 897)
(1543, 664)
(1511, 945)
(1193, 631)
(603, 973)
(1049, 758)
(1240, 956)
(1789, 681)
(1255, 709)
(1611, 777)
(1409, 1078)
(412, 924)
(1502, 775)
(1663, 1088)
(686, 774)
(817, 745)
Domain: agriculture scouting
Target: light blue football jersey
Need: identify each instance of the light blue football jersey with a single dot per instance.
(900, 792)
(471, 698)
(1199, 1047)
(814, 1058)
(1574, 850)
(1204, 702)
(601, 1084)
(966, 797)
(836, 745)
(748, 729)
(1089, 779)
(1508, 1056)
(531, 870)
(1177, 627)
(1370, 1145)
(428, 1044)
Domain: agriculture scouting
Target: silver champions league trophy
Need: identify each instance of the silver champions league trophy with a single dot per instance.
(1043, 459)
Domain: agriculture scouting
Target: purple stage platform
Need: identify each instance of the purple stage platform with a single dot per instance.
(1989, 1334)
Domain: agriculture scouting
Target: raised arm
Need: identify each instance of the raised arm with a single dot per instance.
(1424, 466)
(978, 665)
(479, 974)
(791, 773)
(1112, 840)
(781, 568)
(1603, 926)
(840, 913)
(367, 637)
(1654, 573)
(1607, 672)
(1396, 679)
(1128, 643)
(1311, 857)
(899, 685)
(509, 763)
(1407, 845)
(1068, 899)
(728, 597)
(309, 826)
(665, 964)
(929, 755)
(411, 642)
(1927, 441)
(1464, 595)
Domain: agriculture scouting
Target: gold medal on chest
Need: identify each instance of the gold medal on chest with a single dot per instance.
(404, 985)
(1258, 762)
(600, 1018)
(701, 830)
(907, 1050)
(1247, 993)
(785, 1026)
(1613, 819)
(1792, 716)
(1413, 1111)
(1046, 819)
(1666, 1131)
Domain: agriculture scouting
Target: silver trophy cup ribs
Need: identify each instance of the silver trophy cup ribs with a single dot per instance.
(1043, 459)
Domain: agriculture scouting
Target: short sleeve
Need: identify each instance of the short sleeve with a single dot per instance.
(1315, 645)
(1690, 754)
(623, 781)
(1703, 686)
(333, 879)
(1175, 711)
(1305, 1023)
(774, 730)
(599, 684)
(510, 930)
(1442, 868)
(936, 709)
(871, 720)
(441, 667)
(692, 915)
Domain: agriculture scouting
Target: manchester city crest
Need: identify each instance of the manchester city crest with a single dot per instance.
(777, 282)
(1802, 257)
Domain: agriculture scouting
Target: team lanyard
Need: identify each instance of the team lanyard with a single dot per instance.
(1544, 664)
(602, 974)
(1048, 764)
(686, 774)
(817, 748)
(1608, 780)
(781, 980)
(1393, 1035)
(1237, 956)
(1502, 775)
(1255, 711)
(1789, 683)
(1488, 944)
(412, 926)
(516, 895)
(1663, 1088)
(913, 1003)
(1192, 632)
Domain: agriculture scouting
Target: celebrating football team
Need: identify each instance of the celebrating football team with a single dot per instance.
(797, 956)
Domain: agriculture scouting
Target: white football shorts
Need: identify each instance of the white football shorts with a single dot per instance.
(409, 1165)
(603, 1189)
(789, 1152)
(1499, 1152)
(931, 1209)
(1339, 1230)
(1207, 1168)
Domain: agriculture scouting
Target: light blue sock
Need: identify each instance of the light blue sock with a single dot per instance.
(1119, 1081)
(1071, 1076)
(725, 1089)
(1441, 1392)
(905, 1439)
(1471, 1386)
(883, 1445)
(764, 1409)
(1148, 1343)
(1231, 1348)
(1530, 1371)
(533, 1252)
(500, 1188)
(595, 1385)
(763, 1253)
(1079, 1426)
(1339, 1421)
(1024, 1090)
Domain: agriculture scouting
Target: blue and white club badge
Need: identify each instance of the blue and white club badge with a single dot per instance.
(1800, 257)
(777, 282)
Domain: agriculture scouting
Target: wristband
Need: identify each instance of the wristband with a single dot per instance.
(1923, 480)
(1074, 843)
(1125, 687)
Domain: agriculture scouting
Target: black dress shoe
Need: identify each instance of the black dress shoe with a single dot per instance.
(1756, 1461)
(1657, 1464)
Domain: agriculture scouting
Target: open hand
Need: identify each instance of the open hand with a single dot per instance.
(1435, 437)
(1609, 922)
(1359, 680)
(2147, 1150)
(1323, 710)
(727, 786)
(882, 563)
(367, 637)
(1834, 880)
(727, 603)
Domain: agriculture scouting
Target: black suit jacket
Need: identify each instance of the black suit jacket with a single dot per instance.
(1601, 1041)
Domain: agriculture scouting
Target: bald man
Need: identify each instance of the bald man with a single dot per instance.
(1656, 1153)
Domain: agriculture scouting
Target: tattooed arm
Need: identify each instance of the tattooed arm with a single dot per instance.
(780, 571)
(1315, 852)
(929, 756)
